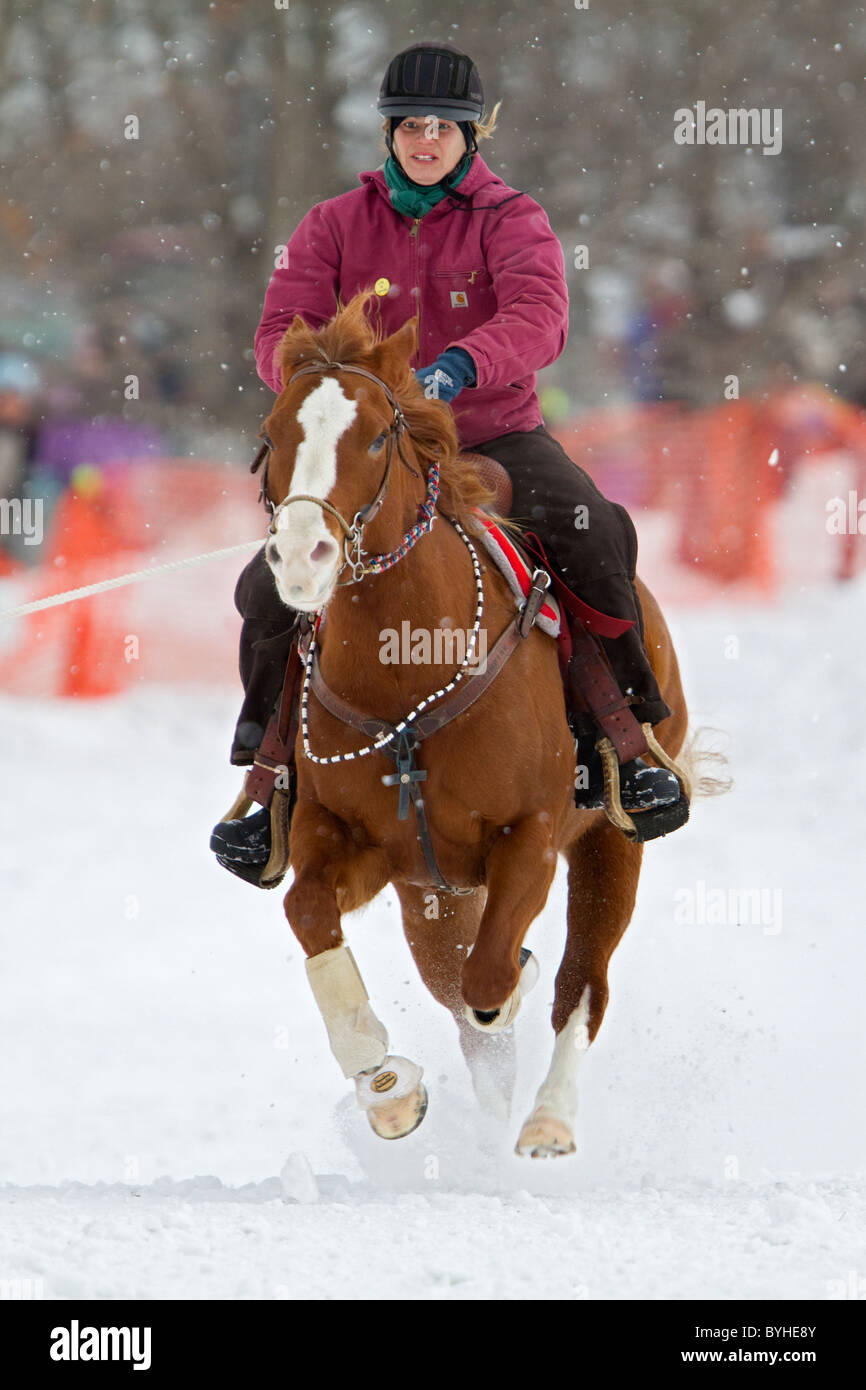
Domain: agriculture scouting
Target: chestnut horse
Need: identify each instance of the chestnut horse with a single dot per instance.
(498, 785)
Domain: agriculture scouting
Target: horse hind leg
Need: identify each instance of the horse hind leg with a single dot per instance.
(602, 885)
(548, 1132)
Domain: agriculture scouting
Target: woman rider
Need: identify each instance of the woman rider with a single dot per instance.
(443, 237)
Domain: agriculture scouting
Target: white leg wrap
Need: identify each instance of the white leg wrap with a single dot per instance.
(358, 1040)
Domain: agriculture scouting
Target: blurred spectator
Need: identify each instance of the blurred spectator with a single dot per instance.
(19, 386)
(650, 355)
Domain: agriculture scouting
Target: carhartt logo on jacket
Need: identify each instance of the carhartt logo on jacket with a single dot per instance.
(488, 275)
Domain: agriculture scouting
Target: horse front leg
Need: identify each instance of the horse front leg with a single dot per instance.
(603, 875)
(440, 930)
(520, 869)
(333, 875)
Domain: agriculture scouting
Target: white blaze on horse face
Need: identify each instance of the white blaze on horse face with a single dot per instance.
(303, 555)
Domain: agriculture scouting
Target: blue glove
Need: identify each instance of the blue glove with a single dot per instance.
(451, 371)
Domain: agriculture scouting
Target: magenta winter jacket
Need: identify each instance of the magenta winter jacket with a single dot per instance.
(489, 278)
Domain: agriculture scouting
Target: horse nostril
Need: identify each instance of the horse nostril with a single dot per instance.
(272, 555)
(323, 551)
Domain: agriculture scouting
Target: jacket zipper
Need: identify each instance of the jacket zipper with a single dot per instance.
(416, 223)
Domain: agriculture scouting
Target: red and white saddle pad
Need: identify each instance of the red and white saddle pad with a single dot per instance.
(518, 575)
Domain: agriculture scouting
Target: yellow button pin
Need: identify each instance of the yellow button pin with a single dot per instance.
(382, 285)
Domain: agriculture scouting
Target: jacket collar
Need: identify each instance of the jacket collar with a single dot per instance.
(479, 178)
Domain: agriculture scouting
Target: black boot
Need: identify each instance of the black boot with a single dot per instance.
(244, 847)
(245, 841)
(642, 787)
(270, 629)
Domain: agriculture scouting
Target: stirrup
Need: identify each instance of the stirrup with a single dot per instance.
(643, 825)
(271, 874)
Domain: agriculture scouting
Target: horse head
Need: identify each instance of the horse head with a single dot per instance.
(350, 408)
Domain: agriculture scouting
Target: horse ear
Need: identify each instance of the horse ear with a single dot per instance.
(402, 344)
(299, 325)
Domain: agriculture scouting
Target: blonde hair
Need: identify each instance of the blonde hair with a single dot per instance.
(483, 129)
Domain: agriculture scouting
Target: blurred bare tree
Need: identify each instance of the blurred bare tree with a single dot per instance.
(702, 261)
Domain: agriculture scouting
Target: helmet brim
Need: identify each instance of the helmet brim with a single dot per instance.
(469, 112)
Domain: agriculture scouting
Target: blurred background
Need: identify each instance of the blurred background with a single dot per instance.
(156, 1017)
(715, 375)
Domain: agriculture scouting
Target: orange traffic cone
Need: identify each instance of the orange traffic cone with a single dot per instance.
(82, 543)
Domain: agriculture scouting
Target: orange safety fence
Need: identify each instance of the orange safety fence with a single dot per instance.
(731, 483)
(730, 500)
(177, 627)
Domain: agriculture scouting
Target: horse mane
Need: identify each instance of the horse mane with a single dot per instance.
(350, 338)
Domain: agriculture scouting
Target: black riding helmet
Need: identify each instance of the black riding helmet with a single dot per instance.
(432, 79)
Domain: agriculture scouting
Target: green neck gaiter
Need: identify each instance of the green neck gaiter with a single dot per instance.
(410, 197)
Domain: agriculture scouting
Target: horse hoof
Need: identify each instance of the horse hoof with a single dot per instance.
(544, 1136)
(393, 1096)
(397, 1118)
(497, 1020)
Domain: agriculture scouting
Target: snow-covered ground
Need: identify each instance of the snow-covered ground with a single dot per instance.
(163, 1063)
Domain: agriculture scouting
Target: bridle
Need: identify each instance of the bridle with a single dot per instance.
(353, 534)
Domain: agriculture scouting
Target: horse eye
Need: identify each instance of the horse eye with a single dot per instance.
(378, 442)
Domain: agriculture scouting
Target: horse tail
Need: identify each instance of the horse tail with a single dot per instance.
(705, 763)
